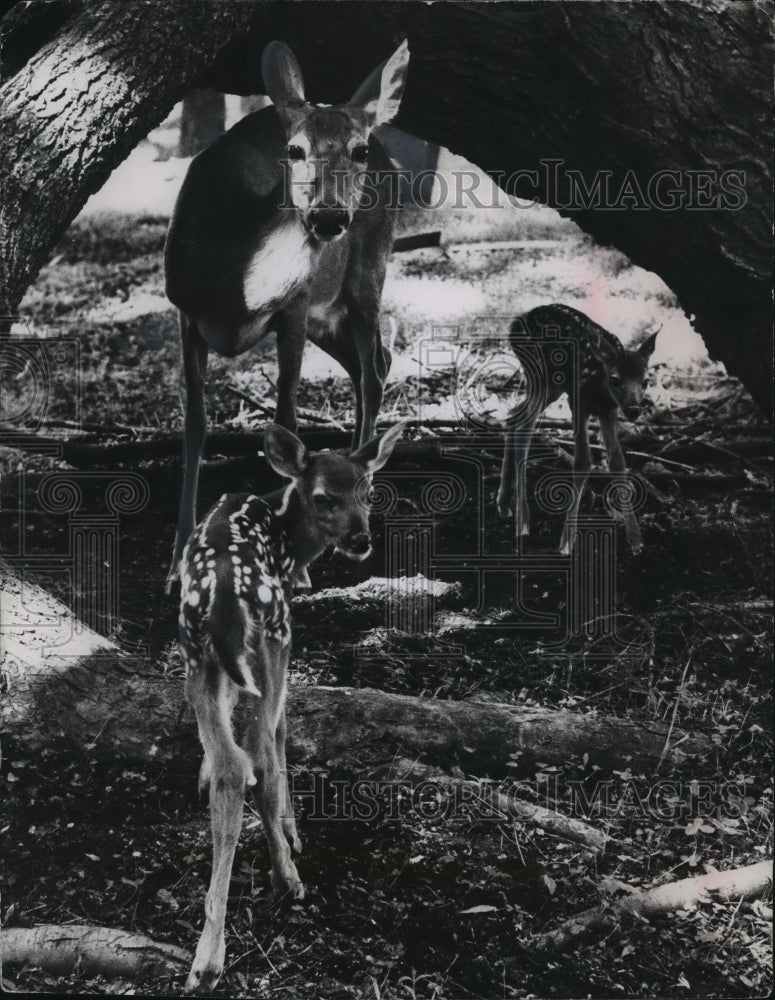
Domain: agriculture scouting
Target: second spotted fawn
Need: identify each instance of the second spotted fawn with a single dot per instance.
(237, 573)
(600, 376)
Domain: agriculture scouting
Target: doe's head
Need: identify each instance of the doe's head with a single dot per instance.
(328, 147)
(332, 489)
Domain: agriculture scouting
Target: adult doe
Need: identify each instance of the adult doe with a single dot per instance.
(601, 377)
(284, 226)
(235, 631)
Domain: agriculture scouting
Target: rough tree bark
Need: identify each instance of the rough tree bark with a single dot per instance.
(26, 27)
(616, 92)
(79, 107)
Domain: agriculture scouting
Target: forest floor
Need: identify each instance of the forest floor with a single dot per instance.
(406, 905)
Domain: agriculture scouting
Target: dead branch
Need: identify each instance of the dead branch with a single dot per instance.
(492, 802)
(740, 883)
(91, 950)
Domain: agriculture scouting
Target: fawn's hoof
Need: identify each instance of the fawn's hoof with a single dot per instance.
(203, 980)
(300, 581)
(288, 888)
(504, 508)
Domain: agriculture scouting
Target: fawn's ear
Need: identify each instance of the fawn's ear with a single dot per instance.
(381, 92)
(600, 347)
(284, 452)
(646, 349)
(376, 452)
(282, 77)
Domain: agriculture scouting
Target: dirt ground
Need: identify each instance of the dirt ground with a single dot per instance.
(412, 907)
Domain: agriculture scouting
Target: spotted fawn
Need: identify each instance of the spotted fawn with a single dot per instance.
(237, 573)
(600, 376)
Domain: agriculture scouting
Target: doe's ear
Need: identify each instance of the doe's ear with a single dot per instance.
(282, 77)
(381, 92)
(284, 451)
(375, 453)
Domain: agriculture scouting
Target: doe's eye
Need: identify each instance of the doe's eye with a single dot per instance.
(360, 154)
(296, 153)
(322, 503)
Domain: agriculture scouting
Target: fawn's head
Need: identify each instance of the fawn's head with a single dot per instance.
(625, 372)
(331, 489)
(328, 147)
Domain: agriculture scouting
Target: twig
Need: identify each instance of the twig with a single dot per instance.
(675, 709)
(638, 454)
(314, 418)
(249, 399)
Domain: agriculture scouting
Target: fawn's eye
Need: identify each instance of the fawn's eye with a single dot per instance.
(322, 504)
(614, 379)
(359, 154)
(296, 153)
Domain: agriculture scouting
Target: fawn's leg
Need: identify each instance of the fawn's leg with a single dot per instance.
(260, 742)
(194, 349)
(228, 769)
(288, 818)
(514, 475)
(507, 485)
(617, 464)
(581, 466)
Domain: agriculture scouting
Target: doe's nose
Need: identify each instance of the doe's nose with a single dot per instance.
(328, 223)
(632, 412)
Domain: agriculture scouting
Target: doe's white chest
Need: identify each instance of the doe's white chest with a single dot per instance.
(282, 262)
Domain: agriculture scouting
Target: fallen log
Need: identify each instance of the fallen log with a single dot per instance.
(417, 241)
(93, 951)
(740, 883)
(66, 685)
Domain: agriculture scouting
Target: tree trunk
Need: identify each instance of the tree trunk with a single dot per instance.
(25, 27)
(618, 93)
(203, 119)
(629, 89)
(80, 106)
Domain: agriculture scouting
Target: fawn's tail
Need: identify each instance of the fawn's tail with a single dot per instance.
(230, 639)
